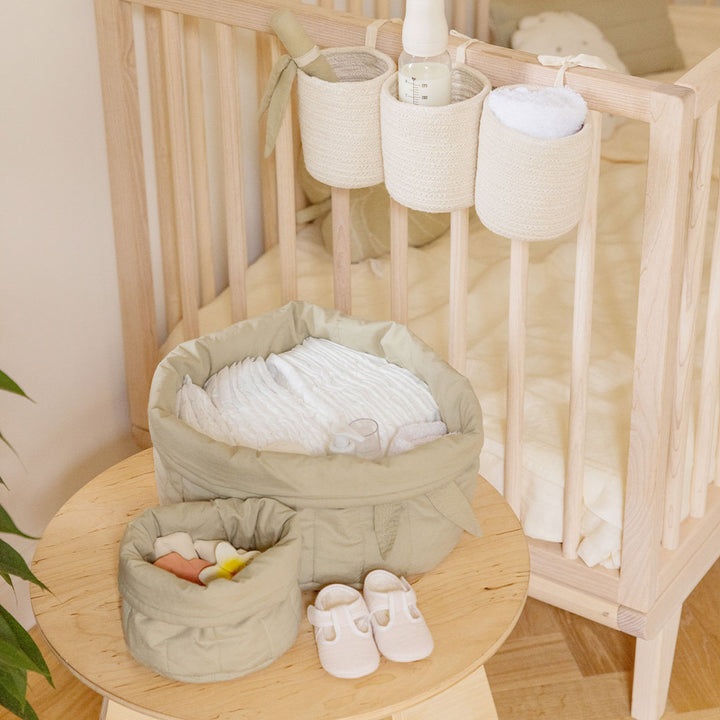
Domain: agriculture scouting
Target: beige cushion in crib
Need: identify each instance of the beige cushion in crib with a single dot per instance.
(640, 30)
(370, 219)
(370, 224)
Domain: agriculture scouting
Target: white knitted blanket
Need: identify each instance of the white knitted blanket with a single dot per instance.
(298, 400)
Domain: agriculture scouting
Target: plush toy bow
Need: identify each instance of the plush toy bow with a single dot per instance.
(581, 60)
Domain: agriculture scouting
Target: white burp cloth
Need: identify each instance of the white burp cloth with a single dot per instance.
(543, 112)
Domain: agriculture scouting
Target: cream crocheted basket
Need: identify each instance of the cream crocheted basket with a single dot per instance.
(340, 121)
(529, 188)
(430, 152)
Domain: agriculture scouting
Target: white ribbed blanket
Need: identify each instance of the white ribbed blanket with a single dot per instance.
(297, 400)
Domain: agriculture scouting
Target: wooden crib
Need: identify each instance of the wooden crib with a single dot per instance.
(164, 166)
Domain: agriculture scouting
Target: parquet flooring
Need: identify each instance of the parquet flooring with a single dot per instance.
(554, 666)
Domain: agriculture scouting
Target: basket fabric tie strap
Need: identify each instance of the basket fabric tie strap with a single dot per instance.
(462, 49)
(448, 500)
(371, 32)
(581, 60)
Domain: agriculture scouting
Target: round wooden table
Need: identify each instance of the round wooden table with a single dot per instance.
(471, 602)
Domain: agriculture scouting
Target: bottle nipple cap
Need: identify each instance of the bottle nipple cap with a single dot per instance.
(425, 29)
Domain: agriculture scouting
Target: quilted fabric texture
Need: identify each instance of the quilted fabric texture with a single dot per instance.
(404, 513)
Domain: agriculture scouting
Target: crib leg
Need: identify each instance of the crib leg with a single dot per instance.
(653, 665)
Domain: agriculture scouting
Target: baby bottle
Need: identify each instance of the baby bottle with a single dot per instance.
(424, 66)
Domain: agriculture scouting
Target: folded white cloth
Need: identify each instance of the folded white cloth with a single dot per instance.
(409, 436)
(546, 112)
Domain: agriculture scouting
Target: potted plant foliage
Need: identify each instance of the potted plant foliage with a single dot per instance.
(18, 652)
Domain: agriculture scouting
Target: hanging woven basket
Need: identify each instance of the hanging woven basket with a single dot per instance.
(429, 152)
(340, 121)
(529, 188)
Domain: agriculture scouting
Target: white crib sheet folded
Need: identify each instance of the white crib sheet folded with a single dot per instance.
(295, 401)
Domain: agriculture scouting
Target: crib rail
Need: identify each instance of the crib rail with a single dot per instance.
(181, 190)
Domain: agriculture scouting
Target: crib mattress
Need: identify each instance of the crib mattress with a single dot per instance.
(548, 346)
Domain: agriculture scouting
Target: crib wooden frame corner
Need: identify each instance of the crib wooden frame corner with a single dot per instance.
(664, 557)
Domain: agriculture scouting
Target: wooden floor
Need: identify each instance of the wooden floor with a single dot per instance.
(554, 666)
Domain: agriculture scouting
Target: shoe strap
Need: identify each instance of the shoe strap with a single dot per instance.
(348, 612)
(399, 602)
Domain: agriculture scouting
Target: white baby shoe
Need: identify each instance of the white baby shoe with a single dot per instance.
(342, 632)
(399, 628)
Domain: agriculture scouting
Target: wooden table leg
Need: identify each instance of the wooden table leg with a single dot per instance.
(114, 711)
(470, 699)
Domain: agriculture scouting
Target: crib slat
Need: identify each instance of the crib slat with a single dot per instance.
(706, 435)
(172, 44)
(457, 329)
(268, 189)
(198, 157)
(285, 189)
(341, 249)
(459, 15)
(482, 20)
(582, 327)
(519, 254)
(355, 7)
(398, 262)
(230, 125)
(692, 278)
(382, 8)
(163, 169)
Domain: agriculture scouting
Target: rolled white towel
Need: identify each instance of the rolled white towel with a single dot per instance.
(546, 112)
(409, 436)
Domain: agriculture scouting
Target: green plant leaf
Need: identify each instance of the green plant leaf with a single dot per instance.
(14, 633)
(23, 709)
(8, 384)
(12, 656)
(14, 682)
(8, 526)
(7, 579)
(13, 563)
(5, 440)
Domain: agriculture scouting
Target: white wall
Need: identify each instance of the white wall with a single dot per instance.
(60, 336)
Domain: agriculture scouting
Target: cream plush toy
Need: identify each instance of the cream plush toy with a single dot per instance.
(566, 33)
